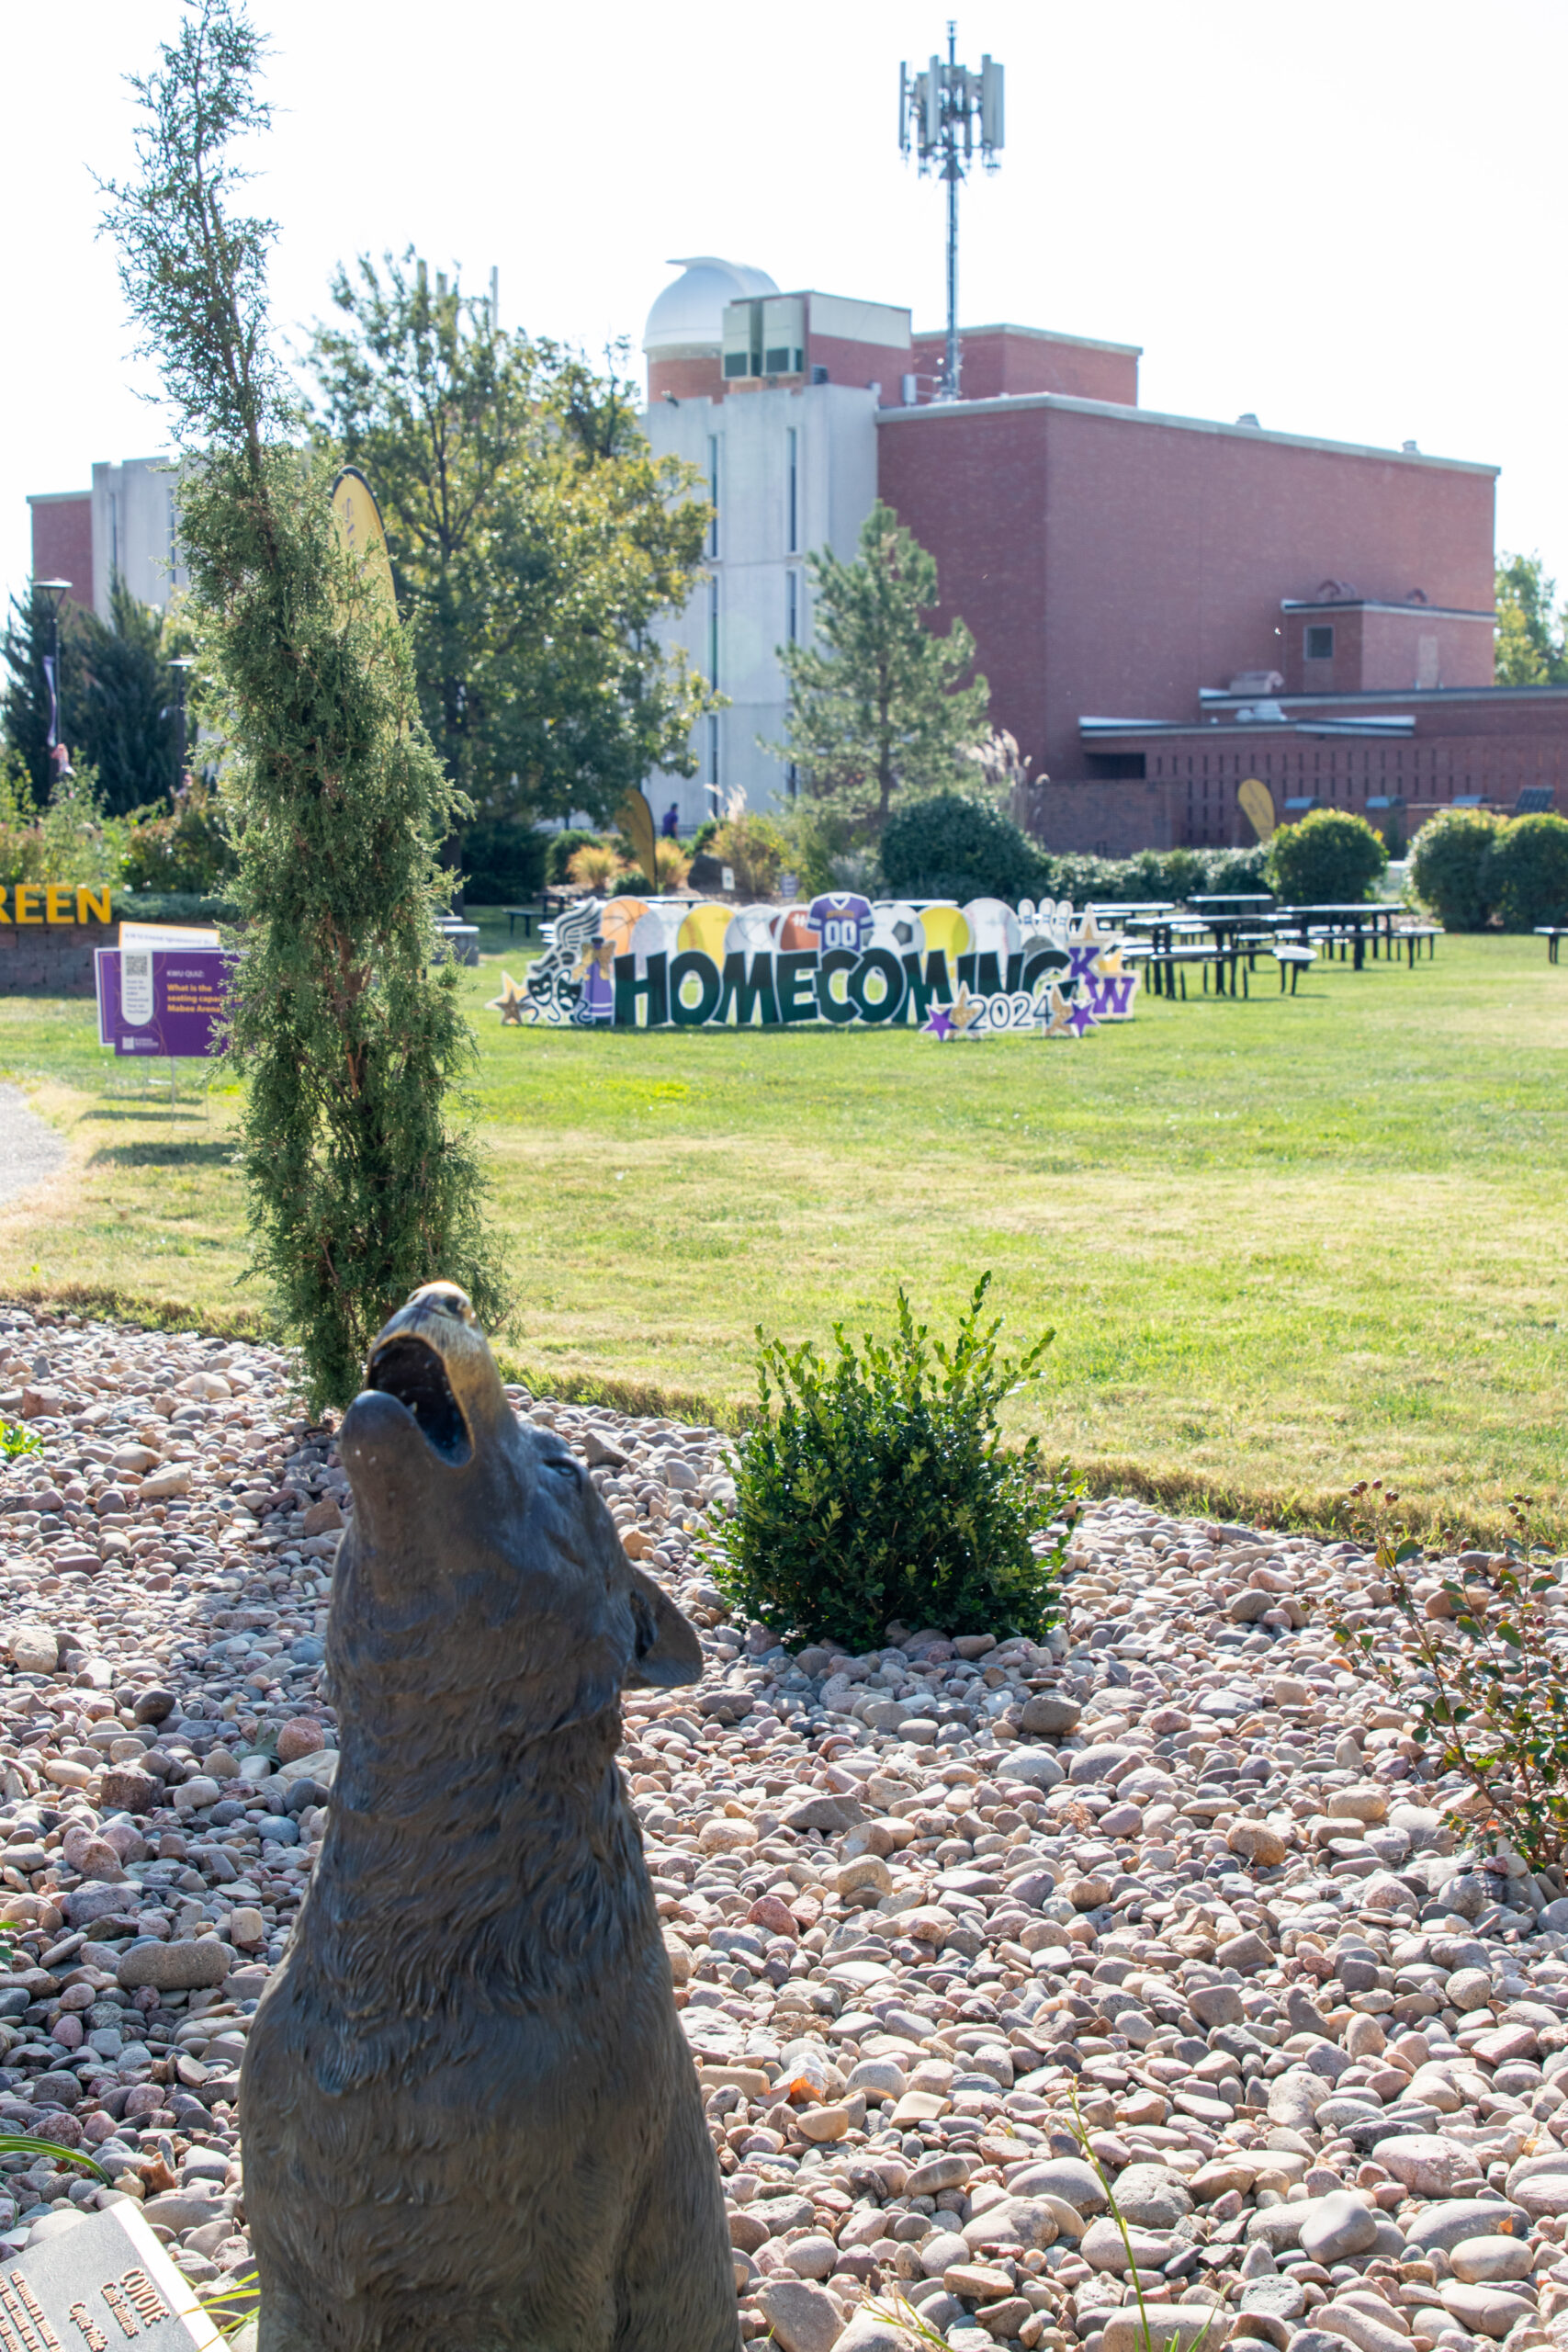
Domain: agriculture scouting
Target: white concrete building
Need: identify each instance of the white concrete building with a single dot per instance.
(133, 530)
(773, 399)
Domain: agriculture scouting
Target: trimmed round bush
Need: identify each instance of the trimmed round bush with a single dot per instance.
(1451, 866)
(1330, 859)
(1526, 871)
(876, 1487)
(948, 846)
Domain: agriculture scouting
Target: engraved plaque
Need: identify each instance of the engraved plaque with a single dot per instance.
(98, 2286)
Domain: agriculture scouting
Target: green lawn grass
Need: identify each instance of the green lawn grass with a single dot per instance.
(1283, 1242)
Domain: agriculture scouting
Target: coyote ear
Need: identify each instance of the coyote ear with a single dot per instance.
(668, 1650)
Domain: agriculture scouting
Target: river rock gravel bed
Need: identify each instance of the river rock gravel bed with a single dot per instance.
(1177, 1878)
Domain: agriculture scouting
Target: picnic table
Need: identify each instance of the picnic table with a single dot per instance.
(1554, 933)
(1237, 900)
(1176, 944)
(1365, 919)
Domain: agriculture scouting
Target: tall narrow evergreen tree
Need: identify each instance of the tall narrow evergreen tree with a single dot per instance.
(878, 704)
(346, 1022)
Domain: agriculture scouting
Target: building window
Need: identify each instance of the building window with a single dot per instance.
(792, 440)
(792, 606)
(713, 492)
(713, 753)
(712, 632)
(1320, 641)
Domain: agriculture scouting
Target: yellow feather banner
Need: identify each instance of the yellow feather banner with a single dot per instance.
(361, 531)
(636, 820)
(1258, 807)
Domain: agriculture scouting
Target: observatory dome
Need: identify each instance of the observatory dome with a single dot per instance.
(690, 312)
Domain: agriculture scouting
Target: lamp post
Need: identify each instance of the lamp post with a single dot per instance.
(181, 665)
(55, 592)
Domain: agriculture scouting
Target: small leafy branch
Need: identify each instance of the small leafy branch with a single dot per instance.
(16, 1441)
(1492, 1698)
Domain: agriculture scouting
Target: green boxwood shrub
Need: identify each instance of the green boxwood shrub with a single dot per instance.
(1330, 859)
(1526, 871)
(877, 1488)
(502, 863)
(948, 846)
(1451, 866)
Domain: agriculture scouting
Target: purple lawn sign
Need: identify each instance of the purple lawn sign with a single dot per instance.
(164, 1001)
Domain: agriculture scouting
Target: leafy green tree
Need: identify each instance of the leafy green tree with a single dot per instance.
(1530, 636)
(878, 703)
(534, 538)
(346, 1021)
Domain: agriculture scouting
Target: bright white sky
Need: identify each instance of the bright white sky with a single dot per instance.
(1344, 216)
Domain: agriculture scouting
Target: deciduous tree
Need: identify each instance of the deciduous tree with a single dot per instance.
(534, 541)
(1530, 633)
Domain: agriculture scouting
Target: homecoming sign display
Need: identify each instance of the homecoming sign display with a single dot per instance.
(956, 973)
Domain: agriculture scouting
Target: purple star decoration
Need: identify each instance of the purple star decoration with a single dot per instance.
(938, 1025)
(1081, 1019)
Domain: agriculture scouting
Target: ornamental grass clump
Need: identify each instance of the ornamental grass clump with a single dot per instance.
(876, 1489)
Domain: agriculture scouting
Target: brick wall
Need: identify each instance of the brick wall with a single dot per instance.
(55, 958)
(1110, 561)
(995, 361)
(62, 540)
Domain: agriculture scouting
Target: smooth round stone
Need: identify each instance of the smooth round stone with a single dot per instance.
(1104, 2248)
(1485, 2310)
(177, 1968)
(1433, 2166)
(812, 2258)
(1182, 2326)
(938, 2253)
(1544, 2193)
(1075, 2183)
(1338, 2227)
(1444, 2226)
(1482, 2262)
(1152, 2196)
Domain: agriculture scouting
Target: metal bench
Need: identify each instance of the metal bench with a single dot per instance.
(1413, 934)
(464, 938)
(1554, 933)
(1167, 968)
(1292, 959)
(523, 915)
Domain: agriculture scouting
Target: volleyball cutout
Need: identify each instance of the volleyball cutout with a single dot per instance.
(751, 931)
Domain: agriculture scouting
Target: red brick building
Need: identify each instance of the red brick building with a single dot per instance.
(1163, 606)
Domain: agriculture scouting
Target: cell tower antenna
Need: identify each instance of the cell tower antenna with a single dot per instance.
(943, 114)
